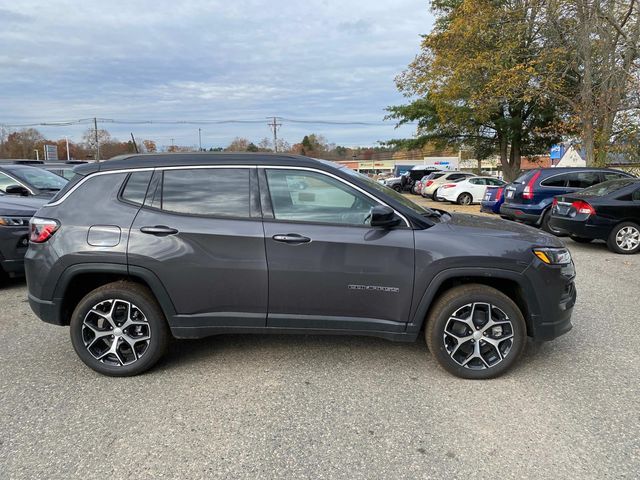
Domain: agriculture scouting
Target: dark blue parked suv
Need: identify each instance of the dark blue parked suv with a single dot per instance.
(528, 199)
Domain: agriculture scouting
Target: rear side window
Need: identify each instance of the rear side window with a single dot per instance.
(456, 176)
(613, 176)
(555, 181)
(135, 189)
(636, 195)
(583, 179)
(524, 178)
(218, 192)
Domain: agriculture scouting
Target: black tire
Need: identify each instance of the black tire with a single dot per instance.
(397, 188)
(615, 245)
(464, 199)
(458, 299)
(581, 239)
(434, 196)
(545, 224)
(152, 322)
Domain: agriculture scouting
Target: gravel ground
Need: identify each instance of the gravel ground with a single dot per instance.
(331, 407)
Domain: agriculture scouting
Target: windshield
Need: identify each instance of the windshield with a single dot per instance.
(606, 188)
(398, 197)
(36, 177)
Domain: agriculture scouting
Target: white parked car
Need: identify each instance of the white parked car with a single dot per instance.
(466, 191)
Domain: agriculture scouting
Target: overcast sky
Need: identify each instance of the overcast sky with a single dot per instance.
(208, 60)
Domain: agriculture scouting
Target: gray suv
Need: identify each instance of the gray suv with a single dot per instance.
(139, 249)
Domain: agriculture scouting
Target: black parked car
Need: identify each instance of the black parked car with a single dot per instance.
(143, 247)
(27, 180)
(528, 198)
(15, 213)
(609, 211)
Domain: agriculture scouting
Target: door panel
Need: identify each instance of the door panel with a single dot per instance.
(214, 268)
(345, 274)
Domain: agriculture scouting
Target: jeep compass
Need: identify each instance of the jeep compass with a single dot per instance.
(139, 249)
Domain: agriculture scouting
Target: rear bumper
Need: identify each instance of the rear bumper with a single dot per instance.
(521, 214)
(580, 228)
(489, 207)
(46, 310)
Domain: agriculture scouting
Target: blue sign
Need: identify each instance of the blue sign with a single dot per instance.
(557, 151)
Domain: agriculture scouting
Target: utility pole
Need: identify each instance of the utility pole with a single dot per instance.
(199, 139)
(274, 126)
(95, 125)
(66, 139)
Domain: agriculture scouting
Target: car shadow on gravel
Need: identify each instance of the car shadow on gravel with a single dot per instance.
(290, 349)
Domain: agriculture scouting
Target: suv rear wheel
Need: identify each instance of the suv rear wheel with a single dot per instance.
(475, 331)
(119, 330)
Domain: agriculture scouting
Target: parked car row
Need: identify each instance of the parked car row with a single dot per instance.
(23, 190)
(583, 203)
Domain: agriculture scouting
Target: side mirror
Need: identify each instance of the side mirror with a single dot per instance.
(383, 216)
(16, 190)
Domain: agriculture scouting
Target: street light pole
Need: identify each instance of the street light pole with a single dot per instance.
(199, 139)
(66, 139)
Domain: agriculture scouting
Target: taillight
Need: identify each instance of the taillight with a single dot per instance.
(583, 207)
(449, 185)
(555, 202)
(528, 190)
(41, 229)
(499, 193)
(429, 182)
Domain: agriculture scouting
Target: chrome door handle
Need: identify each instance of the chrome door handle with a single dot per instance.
(159, 230)
(293, 238)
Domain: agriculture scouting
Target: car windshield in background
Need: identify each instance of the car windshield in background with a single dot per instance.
(398, 197)
(605, 188)
(40, 179)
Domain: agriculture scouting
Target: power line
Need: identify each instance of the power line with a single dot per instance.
(66, 123)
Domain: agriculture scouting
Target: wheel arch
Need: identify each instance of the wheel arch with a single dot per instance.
(78, 280)
(513, 284)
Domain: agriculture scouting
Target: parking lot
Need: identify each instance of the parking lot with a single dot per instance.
(331, 407)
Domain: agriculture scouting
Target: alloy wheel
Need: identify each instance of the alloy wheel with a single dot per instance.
(478, 336)
(628, 238)
(116, 332)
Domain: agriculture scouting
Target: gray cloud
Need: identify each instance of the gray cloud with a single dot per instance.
(195, 59)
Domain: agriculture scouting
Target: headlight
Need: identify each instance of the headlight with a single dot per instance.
(553, 256)
(14, 221)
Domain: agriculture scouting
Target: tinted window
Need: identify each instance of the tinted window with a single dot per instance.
(136, 187)
(433, 176)
(476, 181)
(606, 188)
(524, 178)
(583, 179)
(636, 195)
(555, 181)
(455, 176)
(210, 191)
(313, 197)
(613, 175)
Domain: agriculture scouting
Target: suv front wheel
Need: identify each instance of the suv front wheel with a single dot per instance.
(475, 331)
(119, 330)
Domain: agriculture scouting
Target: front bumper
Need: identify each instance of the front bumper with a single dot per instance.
(553, 287)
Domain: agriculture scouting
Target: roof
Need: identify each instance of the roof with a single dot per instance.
(150, 160)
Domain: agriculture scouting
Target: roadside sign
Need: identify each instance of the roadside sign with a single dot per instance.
(50, 153)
